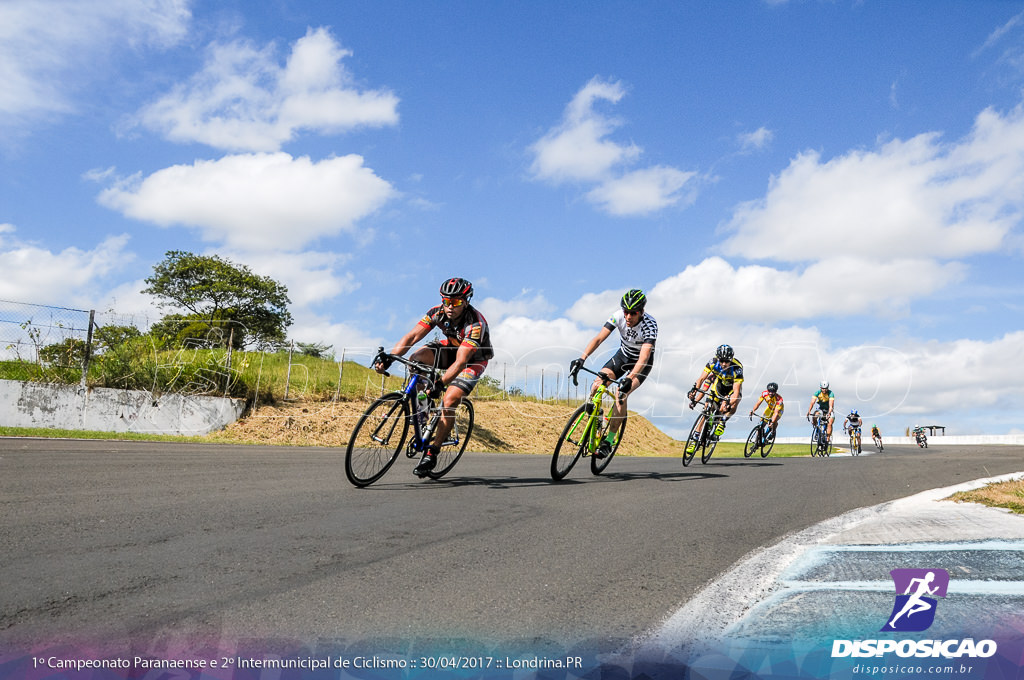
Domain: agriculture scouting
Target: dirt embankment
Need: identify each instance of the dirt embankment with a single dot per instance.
(505, 426)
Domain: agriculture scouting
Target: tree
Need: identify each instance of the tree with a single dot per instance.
(219, 296)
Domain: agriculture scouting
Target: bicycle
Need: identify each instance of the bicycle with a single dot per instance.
(821, 443)
(586, 429)
(921, 440)
(702, 433)
(878, 442)
(761, 437)
(381, 432)
(855, 441)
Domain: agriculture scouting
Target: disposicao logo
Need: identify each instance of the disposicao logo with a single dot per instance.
(914, 611)
(916, 590)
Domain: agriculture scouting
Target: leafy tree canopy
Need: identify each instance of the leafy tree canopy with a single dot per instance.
(224, 294)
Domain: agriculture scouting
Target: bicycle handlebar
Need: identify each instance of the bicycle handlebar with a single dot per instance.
(597, 373)
(411, 363)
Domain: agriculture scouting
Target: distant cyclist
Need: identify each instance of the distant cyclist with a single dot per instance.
(631, 364)
(825, 401)
(876, 436)
(919, 436)
(723, 374)
(773, 406)
(852, 425)
(463, 355)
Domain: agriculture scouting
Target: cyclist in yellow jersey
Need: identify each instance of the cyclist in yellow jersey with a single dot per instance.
(773, 405)
(825, 400)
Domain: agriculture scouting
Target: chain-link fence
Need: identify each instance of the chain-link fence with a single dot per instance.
(205, 357)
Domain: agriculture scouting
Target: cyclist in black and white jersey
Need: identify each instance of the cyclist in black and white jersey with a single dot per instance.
(632, 363)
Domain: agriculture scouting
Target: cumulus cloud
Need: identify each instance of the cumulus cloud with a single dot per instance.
(917, 197)
(65, 278)
(311, 277)
(254, 202)
(244, 100)
(50, 49)
(642, 191)
(579, 150)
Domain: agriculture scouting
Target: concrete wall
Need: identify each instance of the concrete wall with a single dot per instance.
(69, 407)
(839, 439)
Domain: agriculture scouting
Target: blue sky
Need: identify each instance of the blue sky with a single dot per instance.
(834, 188)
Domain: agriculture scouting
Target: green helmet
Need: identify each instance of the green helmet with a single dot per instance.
(633, 299)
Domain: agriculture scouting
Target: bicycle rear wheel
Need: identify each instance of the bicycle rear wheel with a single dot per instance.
(597, 465)
(709, 443)
(377, 439)
(768, 444)
(455, 444)
(571, 443)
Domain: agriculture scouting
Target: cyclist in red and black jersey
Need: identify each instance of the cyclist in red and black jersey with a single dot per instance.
(462, 355)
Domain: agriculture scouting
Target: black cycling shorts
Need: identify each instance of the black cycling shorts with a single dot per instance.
(620, 364)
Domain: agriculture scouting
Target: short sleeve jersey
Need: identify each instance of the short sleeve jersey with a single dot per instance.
(644, 333)
(855, 421)
(822, 397)
(469, 330)
(725, 376)
(772, 402)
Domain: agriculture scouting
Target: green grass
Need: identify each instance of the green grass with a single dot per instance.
(46, 433)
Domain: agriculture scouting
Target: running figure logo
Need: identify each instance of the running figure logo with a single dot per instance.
(914, 611)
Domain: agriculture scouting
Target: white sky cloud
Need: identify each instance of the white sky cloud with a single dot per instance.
(243, 100)
(254, 202)
(310, 276)
(908, 198)
(579, 150)
(641, 191)
(66, 278)
(49, 48)
(753, 141)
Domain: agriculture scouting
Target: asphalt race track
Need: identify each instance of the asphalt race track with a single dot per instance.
(137, 543)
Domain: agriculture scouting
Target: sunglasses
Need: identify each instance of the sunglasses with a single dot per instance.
(452, 301)
(631, 312)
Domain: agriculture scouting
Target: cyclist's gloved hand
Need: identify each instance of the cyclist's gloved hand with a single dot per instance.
(383, 361)
(625, 384)
(574, 368)
(437, 390)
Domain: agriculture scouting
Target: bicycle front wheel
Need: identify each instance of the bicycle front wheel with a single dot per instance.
(455, 443)
(695, 440)
(597, 465)
(377, 439)
(571, 443)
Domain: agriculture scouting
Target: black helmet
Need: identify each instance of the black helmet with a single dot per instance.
(634, 299)
(773, 387)
(458, 288)
(724, 353)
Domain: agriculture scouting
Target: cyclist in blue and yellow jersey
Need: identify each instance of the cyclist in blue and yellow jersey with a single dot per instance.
(725, 374)
(462, 354)
(631, 364)
(773, 406)
(825, 401)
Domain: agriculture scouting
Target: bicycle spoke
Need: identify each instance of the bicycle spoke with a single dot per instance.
(376, 439)
(455, 443)
(571, 443)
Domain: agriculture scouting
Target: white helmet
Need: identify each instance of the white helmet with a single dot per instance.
(824, 384)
